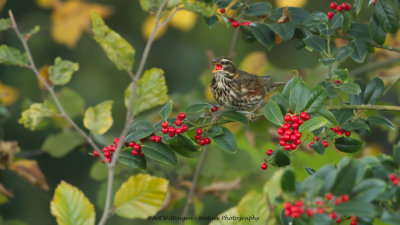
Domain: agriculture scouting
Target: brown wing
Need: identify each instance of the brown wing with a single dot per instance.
(251, 85)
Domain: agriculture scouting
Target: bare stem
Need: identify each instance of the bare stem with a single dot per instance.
(365, 107)
(233, 43)
(189, 198)
(374, 66)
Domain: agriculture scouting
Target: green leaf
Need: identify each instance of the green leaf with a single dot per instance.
(342, 74)
(358, 5)
(185, 146)
(263, 34)
(318, 148)
(367, 190)
(356, 208)
(236, 5)
(299, 97)
(198, 107)
(390, 218)
(230, 213)
(373, 91)
(199, 7)
(5, 24)
(387, 16)
(151, 91)
(359, 31)
(126, 158)
(346, 24)
(357, 99)
(118, 50)
(99, 119)
(327, 61)
(343, 52)
(381, 121)
(360, 51)
(139, 130)
(281, 158)
(12, 56)
(328, 115)
(280, 100)
(321, 219)
(235, 116)
(166, 110)
(61, 72)
(69, 139)
(313, 124)
(344, 180)
(71, 207)
(288, 181)
(32, 32)
(343, 116)
(226, 141)
(351, 88)
(317, 99)
(210, 21)
(273, 113)
(253, 203)
(298, 15)
(348, 144)
(285, 30)
(316, 43)
(72, 102)
(159, 152)
(356, 125)
(290, 86)
(222, 3)
(140, 196)
(215, 131)
(32, 117)
(396, 153)
(257, 9)
(378, 35)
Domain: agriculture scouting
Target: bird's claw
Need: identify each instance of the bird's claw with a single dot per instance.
(250, 116)
(215, 118)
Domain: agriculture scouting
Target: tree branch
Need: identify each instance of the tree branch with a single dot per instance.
(389, 48)
(374, 66)
(365, 107)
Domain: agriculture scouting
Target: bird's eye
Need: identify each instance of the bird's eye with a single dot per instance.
(225, 63)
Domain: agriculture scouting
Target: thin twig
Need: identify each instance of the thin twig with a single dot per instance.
(374, 66)
(365, 107)
(33, 67)
(189, 198)
(389, 48)
(390, 86)
(233, 43)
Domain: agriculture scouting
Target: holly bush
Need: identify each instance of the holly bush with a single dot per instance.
(311, 138)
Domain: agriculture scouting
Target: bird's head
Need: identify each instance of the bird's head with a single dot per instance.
(223, 64)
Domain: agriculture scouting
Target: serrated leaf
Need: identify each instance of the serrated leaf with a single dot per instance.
(285, 30)
(351, 88)
(5, 23)
(317, 99)
(139, 130)
(226, 141)
(159, 152)
(151, 91)
(126, 158)
(257, 9)
(140, 196)
(387, 16)
(198, 107)
(98, 119)
(313, 124)
(378, 35)
(33, 116)
(381, 121)
(235, 116)
(343, 52)
(12, 56)
(118, 50)
(373, 91)
(70, 141)
(299, 97)
(166, 110)
(348, 144)
(263, 34)
(356, 208)
(61, 72)
(288, 180)
(71, 207)
(273, 113)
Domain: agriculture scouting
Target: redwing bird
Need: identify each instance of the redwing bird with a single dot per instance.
(238, 90)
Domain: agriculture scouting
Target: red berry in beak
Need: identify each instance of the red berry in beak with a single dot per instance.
(218, 67)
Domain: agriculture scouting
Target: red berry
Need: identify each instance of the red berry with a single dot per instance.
(96, 153)
(231, 20)
(214, 108)
(307, 117)
(284, 127)
(131, 144)
(287, 205)
(282, 137)
(288, 118)
(319, 202)
(374, 2)
(287, 137)
(102, 160)
(178, 130)
(184, 128)
(329, 196)
(293, 146)
(199, 131)
(288, 132)
(281, 131)
(339, 220)
(106, 149)
(137, 147)
(235, 24)
(310, 212)
(295, 215)
(172, 134)
(335, 129)
(297, 142)
(178, 122)
(264, 166)
(202, 142)
(164, 124)
(164, 130)
(107, 154)
(269, 152)
(295, 119)
(338, 82)
(207, 141)
(339, 133)
(222, 10)
(320, 210)
(109, 159)
(182, 115)
(171, 130)
(282, 143)
(116, 141)
(135, 152)
(396, 181)
(287, 147)
(112, 148)
(141, 153)
(302, 115)
(158, 139)
(347, 133)
(339, 8)
(153, 138)
(298, 135)
(333, 215)
(288, 125)
(288, 213)
(338, 201)
(310, 145)
(300, 122)
(293, 137)
(295, 125)
(345, 198)
(353, 222)
(392, 176)
(325, 143)
(333, 5)
(346, 6)
(197, 136)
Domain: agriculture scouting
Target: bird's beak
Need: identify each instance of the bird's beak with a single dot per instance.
(217, 67)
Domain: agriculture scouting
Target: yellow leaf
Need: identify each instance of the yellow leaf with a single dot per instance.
(254, 63)
(292, 3)
(71, 18)
(71, 207)
(184, 20)
(2, 3)
(30, 171)
(148, 27)
(44, 72)
(32, 117)
(98, 119)
(230, 213)
(47, 4)
(8, 94)
(140, 196)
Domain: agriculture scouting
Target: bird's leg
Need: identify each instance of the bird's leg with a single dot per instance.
(216, 115)
(252, 114)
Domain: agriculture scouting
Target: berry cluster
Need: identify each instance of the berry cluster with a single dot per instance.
(108, 150)
(289, 134)
(345, 6)
(176, 129)
(324, 143)
(295, 210)
(374, 2)
(264, 165)
(394, 179)
(199, 136)
(339, 131)
(236, 24)
(137, 148)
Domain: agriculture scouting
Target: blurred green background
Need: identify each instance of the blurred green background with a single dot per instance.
(182, 55)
